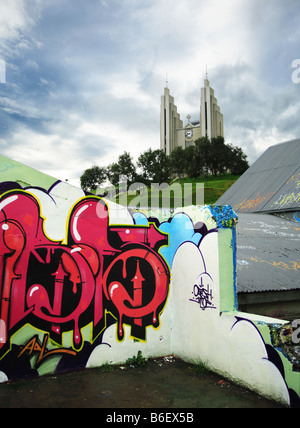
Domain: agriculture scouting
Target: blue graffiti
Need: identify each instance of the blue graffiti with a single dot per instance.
(223, 215)
(297, 217)
(180, 229)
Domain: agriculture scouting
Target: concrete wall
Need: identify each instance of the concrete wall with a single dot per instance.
(84, 283)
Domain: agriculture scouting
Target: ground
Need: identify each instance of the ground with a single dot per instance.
(164, 383)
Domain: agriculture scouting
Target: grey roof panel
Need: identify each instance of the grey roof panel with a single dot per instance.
(288, 196)
(232, 193)
(268, 253)
(271, 184)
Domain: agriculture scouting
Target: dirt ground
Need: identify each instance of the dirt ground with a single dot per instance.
(165, 383)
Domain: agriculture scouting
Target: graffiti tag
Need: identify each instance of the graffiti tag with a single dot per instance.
(287, 199)
(202, 292)
(34, 346)
(252, 204)
(290, 265)
(295, 179)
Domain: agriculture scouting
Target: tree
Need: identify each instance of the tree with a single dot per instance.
(177, 161)
(218, 156)
(215, 157)
(92, 178)
(193, 161)
(155, 166)
(124, 167)
(204, 154)
(238, 163)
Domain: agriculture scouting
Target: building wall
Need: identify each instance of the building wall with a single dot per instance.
(278, 304)
(183, 140)
(70, 263)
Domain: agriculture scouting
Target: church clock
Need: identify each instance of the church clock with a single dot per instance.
(189, 133)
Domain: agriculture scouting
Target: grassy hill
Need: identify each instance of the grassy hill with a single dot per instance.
(214, 187)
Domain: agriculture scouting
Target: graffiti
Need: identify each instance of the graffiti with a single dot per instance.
(203, 296)
(295, 179)
(287, 196)
(64, 286)
(276, 313)
(74, 283)
(269, 356)
(34, 346)
(290, 265)
(133, 307)
(289, 193)
(252, 204)
(286, 200)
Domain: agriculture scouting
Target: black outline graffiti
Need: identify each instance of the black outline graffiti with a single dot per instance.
(203, 297)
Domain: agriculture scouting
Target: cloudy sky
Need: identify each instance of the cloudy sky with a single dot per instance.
(84, 77)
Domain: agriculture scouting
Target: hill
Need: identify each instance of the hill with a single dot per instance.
(214, 188)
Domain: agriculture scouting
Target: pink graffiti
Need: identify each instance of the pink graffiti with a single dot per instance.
(60, 287)
(132, 307)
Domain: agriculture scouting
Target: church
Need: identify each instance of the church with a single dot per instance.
(172, 132)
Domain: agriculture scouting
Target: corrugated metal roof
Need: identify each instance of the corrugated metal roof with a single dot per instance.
(268, 253)
(271, 184)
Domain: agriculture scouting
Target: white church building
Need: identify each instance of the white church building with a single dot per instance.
(172, 132)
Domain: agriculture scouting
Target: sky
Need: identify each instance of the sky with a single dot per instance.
(81, 81)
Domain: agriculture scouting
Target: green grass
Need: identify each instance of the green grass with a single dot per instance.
(107, 367)
(214, 188)
(201, 368)
(137, 361)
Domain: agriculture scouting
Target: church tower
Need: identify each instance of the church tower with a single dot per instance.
(172, 132)
(211, 119)
(169, 123)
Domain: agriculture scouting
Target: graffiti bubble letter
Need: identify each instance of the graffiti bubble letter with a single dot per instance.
(2, 71)
(296, 73)
(296, 332)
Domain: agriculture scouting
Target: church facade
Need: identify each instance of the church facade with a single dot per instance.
(172, 132)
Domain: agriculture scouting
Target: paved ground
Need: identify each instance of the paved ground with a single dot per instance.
(160, 384)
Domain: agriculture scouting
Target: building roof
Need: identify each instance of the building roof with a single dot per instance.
(268, 253)
(271, 184)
